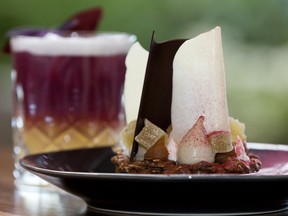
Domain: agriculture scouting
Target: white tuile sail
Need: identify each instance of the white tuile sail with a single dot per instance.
(199, 87)
(136, 62)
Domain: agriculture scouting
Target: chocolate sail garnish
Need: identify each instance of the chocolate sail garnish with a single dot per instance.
(155, 104)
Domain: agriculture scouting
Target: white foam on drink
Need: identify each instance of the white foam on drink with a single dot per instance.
(54, 45)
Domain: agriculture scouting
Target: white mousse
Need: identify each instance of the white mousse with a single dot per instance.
(194, 146)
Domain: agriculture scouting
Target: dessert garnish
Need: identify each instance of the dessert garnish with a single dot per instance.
(85, 20)
(183, 125)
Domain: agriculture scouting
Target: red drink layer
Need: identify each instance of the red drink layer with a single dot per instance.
(74, 87)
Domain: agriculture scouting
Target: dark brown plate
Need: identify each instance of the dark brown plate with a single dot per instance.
(89, 174)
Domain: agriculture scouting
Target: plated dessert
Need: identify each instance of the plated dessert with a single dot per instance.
(180, 124)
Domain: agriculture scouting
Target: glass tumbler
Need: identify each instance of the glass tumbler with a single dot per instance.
(67, 93)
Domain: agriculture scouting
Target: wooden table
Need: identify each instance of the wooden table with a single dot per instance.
(41, 203)
(30, 203)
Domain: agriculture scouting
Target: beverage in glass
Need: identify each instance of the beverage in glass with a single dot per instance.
(67, 92)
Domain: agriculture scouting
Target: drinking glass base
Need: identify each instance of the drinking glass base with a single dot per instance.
(29, 182)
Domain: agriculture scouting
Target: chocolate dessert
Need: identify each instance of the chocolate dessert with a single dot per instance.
(181, 123)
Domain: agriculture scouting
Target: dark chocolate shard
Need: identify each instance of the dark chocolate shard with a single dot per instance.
(155, 104)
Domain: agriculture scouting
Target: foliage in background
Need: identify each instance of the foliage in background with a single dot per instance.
(257, 21)
(255, 41)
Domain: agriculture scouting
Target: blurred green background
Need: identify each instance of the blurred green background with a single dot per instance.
(254, 37)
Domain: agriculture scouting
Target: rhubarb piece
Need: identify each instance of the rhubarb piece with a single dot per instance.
(199, 87)
(240, 150)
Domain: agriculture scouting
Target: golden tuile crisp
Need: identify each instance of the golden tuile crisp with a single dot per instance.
(127, 134)
(221, 141)
(149, 135)
(237, 129)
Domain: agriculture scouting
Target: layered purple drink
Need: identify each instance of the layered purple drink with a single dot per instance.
(67, 90)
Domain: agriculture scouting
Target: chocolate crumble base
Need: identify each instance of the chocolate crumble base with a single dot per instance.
(224, 163)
